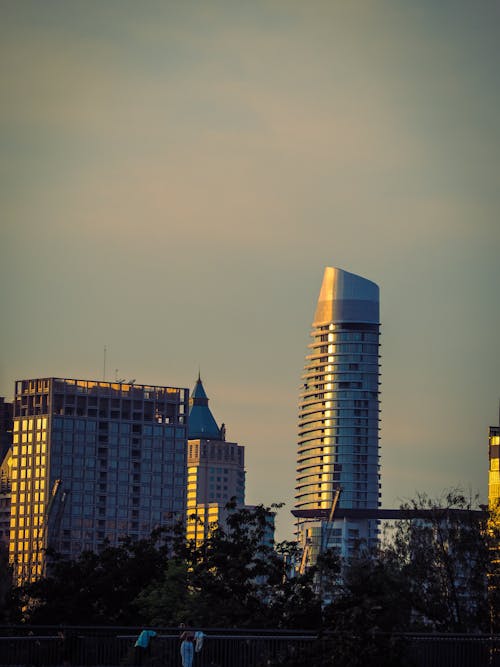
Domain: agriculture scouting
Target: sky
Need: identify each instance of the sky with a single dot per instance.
(175, 177)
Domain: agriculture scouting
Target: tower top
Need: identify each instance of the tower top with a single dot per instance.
(346, 297)
(201, 421)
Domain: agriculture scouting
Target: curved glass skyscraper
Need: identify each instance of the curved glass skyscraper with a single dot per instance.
(338, 441)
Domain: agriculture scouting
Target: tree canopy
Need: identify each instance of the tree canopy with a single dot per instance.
(438, 573)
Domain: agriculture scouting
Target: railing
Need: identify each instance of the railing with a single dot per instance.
(448, 650)
(111, 647)
(40, 646)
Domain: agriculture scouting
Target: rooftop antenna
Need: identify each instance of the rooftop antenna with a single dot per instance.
(104, 365)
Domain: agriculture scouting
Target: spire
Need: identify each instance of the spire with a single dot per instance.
(201, 421)
(198, 397)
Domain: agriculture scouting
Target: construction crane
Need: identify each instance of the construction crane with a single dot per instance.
(53, 516)
(333, 507)
(305, 556)
(324, 543)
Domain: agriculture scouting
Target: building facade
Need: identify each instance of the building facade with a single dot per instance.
(494, 467)
(216, 469)
(338, 433)
(6, 409)
(92, 461)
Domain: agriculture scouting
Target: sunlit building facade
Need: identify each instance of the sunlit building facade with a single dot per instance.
(216, 469)
(92, 461)
(338, 433)
(494, 509)
(494, 467)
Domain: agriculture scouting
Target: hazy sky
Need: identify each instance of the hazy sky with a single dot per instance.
(175, 176)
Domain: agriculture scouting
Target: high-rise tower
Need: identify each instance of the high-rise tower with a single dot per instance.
(92, 462)
(494, 468)
(338, 440)
(216, 469)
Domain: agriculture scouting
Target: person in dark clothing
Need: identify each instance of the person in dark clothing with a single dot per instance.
(142, 645)
(68, 642)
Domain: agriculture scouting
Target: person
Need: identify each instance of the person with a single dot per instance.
(187, 638)
(68, 645)
(141, 646)
(198, 641)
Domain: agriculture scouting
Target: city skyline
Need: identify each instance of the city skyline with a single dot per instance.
(176, 178)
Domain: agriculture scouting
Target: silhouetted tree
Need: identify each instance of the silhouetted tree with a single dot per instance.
(295, 602)
(236, 578)
(164, 601)
(233, 574)
(446, 559)
(9, 605)
(368, 605)
(95, 588)
(438, 573)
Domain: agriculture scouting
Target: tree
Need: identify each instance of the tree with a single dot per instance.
(445, 557)
(95, 588)
(232, 574)
(295, 602)
(236, 578)
(9, 607)
(431, 575)
(368, 606)
(164, 601)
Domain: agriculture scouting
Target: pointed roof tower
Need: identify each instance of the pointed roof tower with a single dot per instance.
(201, 421)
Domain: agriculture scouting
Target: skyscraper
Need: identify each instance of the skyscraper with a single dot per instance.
(216, 468)
(494, 467)
(92, 461)
(338, 434)
(5, 456)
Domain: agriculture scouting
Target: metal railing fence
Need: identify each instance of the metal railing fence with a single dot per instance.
(44, 646)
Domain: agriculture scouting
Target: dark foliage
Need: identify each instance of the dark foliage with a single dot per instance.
(95, 589)
(440, 573)
(8, 602)
(235, 579)
(445, 559)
